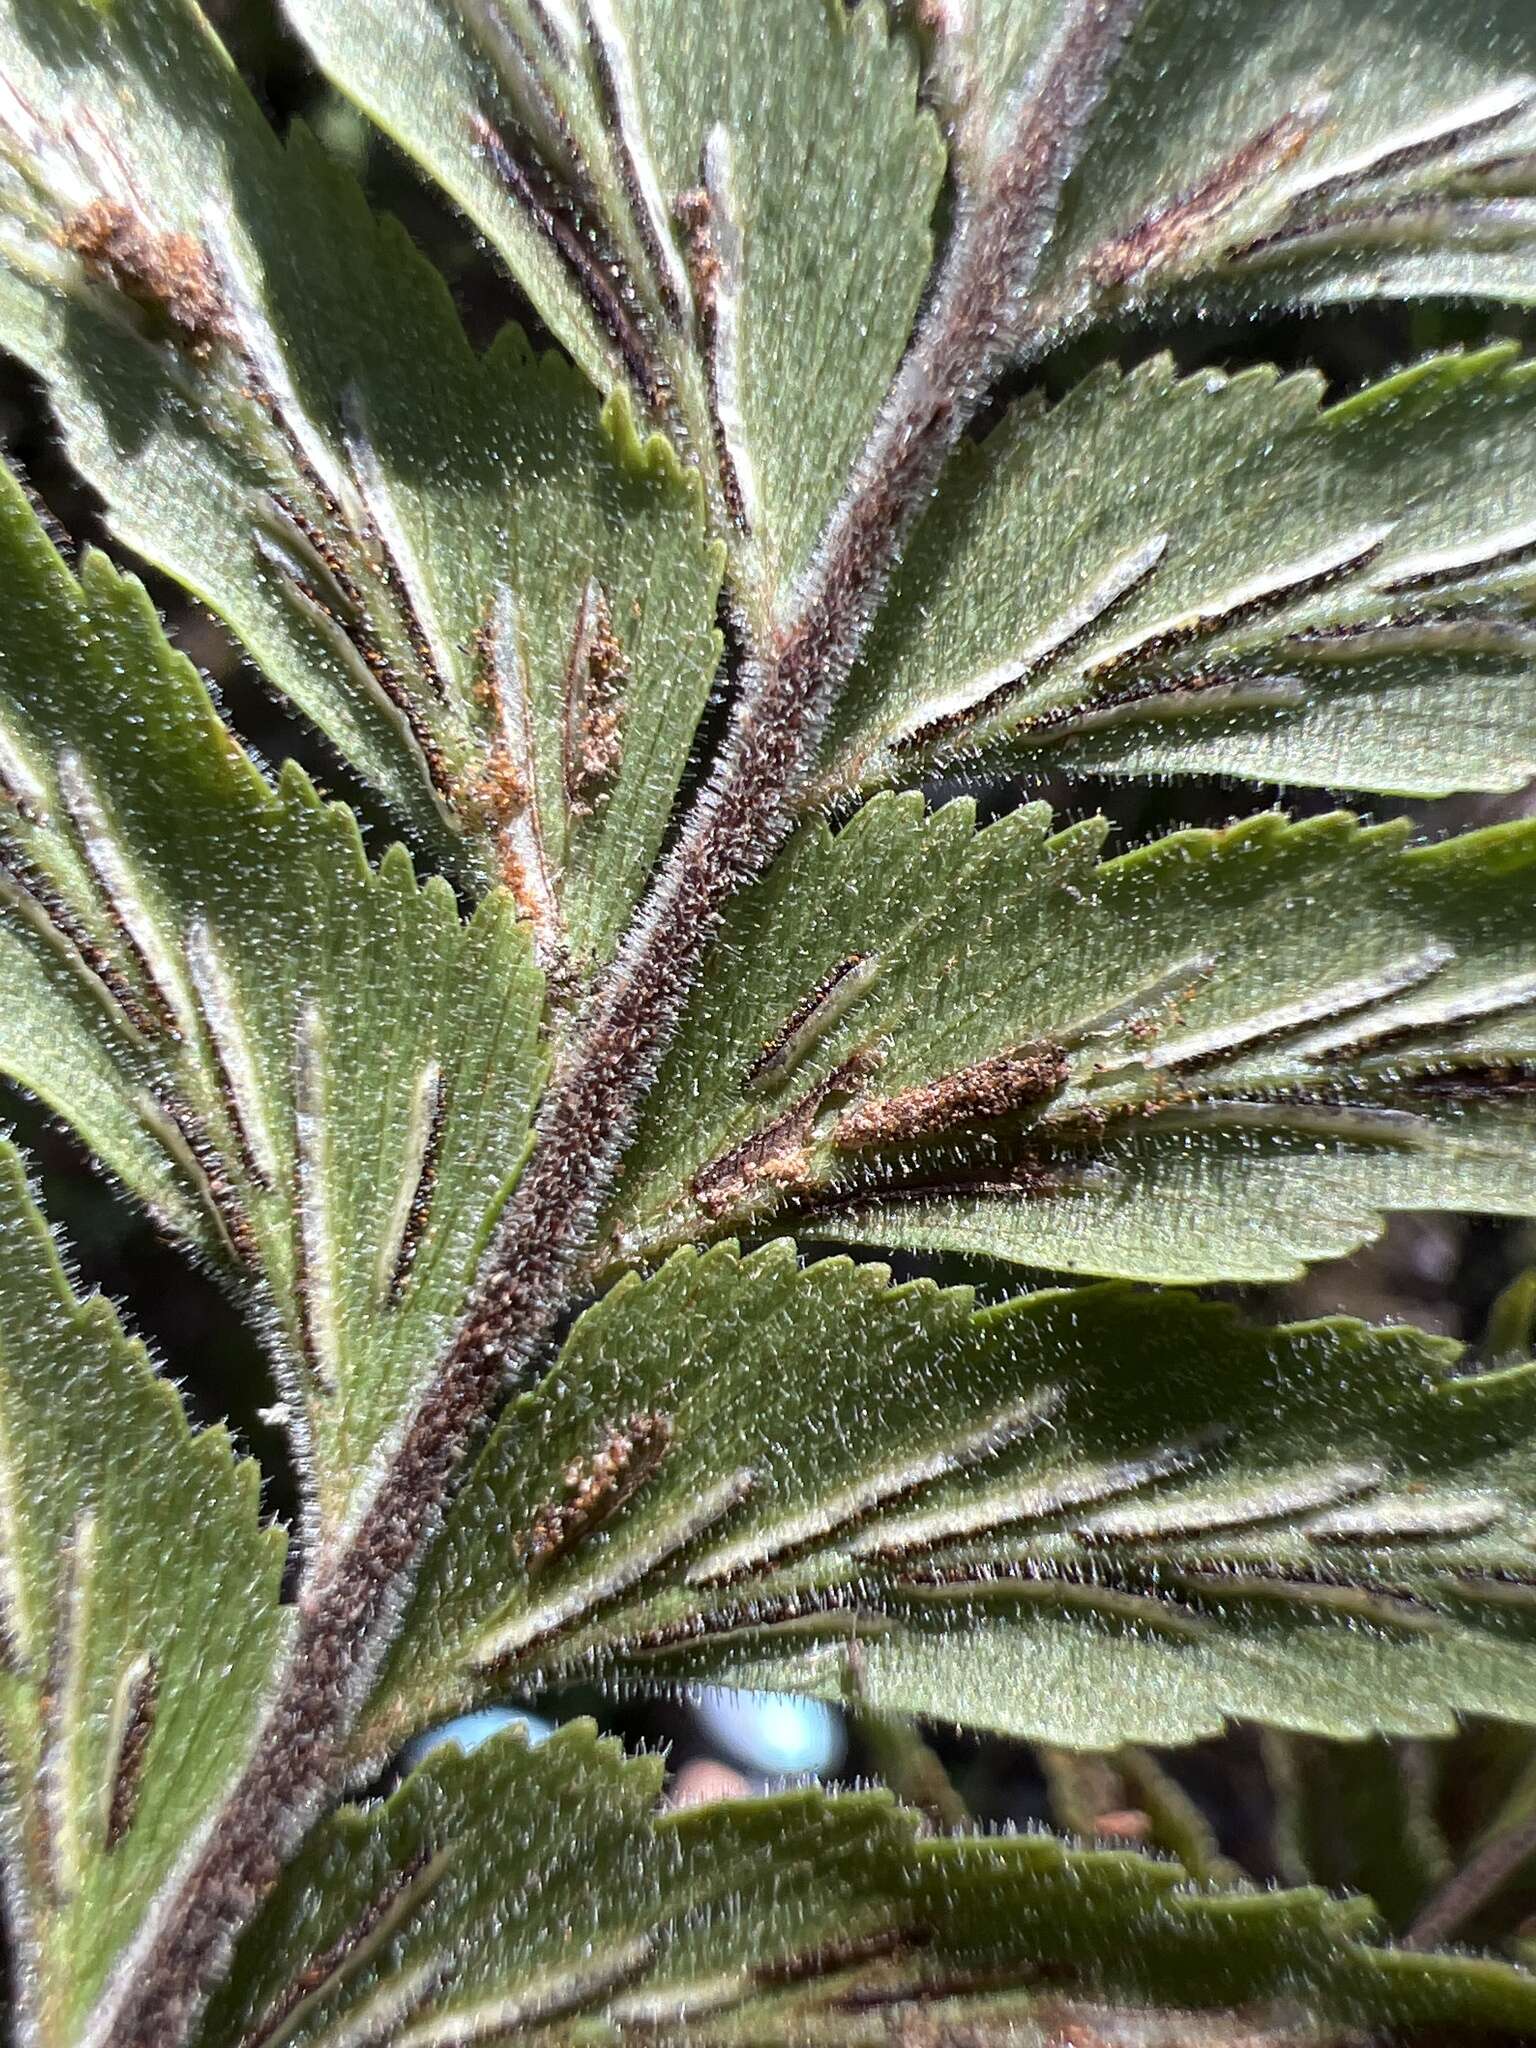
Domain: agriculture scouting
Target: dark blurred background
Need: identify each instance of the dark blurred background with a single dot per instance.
(1439, 1272)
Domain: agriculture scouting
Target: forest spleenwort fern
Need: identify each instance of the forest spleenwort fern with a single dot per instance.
(798, 248)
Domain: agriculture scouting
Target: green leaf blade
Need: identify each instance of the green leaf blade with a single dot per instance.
(1245, 158)
(797, 1917)
(1214, 576)
(1088, 1518)
(496, 606)
(134, 1666)
(760, 179)
(1221, 1055)
(309, 1070)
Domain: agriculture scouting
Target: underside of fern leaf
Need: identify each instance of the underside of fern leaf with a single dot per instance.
(1088, 1516)
(716, 654)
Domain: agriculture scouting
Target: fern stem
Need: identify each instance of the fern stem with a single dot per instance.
(977, 319)
(1478, 1880)
(908, 1763)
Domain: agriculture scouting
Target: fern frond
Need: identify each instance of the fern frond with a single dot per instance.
(798, 1918)
(1087, 1517)
(310, 1071)
(1213, 575)
(475, 1161)
(726, 209)
(1217, 1056)
(139, 1621)
(1248, 156)
(496, 605)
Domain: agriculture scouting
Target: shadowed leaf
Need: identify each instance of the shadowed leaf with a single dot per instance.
(1358, 1816)
(541, 1893)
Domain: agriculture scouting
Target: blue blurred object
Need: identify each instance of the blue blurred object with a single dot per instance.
(773, 1732)
(470, 1730)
